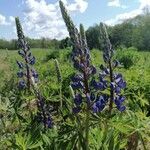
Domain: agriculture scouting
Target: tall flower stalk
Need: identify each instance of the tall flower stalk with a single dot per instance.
(109, 79)
(81, 61)
(59, 79)
(29, 77)
(27, 74)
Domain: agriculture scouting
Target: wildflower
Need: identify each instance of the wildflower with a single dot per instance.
(26, 69)
(30, 76)
(43, 111)
(21, 84)
(81, 61)
(108, 79)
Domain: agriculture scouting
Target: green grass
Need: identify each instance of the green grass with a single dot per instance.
(8, 65)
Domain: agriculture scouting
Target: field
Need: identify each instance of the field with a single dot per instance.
(17, 128)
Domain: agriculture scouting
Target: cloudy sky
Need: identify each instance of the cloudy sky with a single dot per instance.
(42, 18)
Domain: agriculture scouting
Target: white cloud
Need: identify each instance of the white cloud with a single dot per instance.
(3, 20)
(144, 3)
(80, 5)
(128, 15)
(44, 19)
(116, 3)
(124, 16)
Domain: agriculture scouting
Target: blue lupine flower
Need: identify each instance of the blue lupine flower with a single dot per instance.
(49, 122)
(22, 84)
(100, 103)
(28, 59)
(32, 60)
(101, 85)
(95, 108)
(108, 79)
(27, 71)
(112, 85)
(78, 99)
(20, 64)
(76, 110)
(77, 85)
(21, 53)
(92, 96)
(118, 101)
(20, 74)
(116, 82)
(117, 90)
(81, 61)
(116, 63)
(77, 78)
(43, 111)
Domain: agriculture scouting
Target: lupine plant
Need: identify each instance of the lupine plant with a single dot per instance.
(30, 76)
(87, 98)
(81, 61)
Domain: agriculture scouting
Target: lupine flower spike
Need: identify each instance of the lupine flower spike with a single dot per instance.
(26, 73)
(81, 61)
(108, 79)
(29, 77)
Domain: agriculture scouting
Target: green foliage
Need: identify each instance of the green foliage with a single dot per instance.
(128, 57)
(11, 45)
(19, 130)
(64, 43)
(53, 55)
(93, 37)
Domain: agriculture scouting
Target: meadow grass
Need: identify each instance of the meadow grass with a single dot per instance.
(8, 62)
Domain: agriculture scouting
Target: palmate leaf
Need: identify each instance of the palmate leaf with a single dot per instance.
(46, 139)
(24, 142)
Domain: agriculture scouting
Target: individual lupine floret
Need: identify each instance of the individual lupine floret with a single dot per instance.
(81, 61)
(26, 71)
(108, 79)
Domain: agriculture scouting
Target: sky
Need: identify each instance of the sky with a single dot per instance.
(42, 18)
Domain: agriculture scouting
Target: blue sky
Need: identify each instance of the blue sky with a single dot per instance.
(42, 18)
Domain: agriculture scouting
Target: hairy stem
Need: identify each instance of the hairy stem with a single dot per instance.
(87, 113)
(111, 90)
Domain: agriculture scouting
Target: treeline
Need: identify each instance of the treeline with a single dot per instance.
(34, 43)
(131, 33)
(37, 43)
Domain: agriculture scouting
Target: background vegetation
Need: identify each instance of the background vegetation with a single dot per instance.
(131, 33)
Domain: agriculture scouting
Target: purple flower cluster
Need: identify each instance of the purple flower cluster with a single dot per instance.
(29, 77)
(108, 80)
(81, 61)
(100, 103)
(43, 112)
(26, 72)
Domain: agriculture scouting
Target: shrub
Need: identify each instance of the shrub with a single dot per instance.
(53, 55)
(128, 57)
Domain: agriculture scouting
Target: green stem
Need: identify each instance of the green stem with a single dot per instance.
(60, 94)
(87, 129)
(111, 90)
